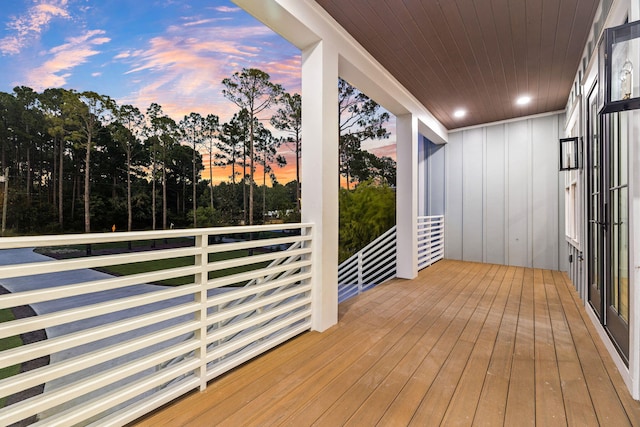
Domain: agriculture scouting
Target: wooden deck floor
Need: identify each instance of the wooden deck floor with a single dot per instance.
(463, 344)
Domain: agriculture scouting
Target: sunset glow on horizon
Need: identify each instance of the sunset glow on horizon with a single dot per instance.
(171, 53)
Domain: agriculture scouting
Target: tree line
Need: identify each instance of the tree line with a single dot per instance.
(79, 161)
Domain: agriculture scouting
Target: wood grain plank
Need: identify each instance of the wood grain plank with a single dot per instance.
(605, 385)
(577, 401)
(493, 398)
(462, 407)
(331, 395)
(463, 344)
(520, 408)
(439, 396)
(296, 370)
(245, 376)
(266, 407)
(404, 405)
(381, 398)
(607, 406)
(549, 403)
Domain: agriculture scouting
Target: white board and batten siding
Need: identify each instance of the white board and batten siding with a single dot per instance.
(502, 193)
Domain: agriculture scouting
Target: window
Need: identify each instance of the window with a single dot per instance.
(572, 208)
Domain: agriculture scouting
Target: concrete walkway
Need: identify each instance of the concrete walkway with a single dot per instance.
(49, 280)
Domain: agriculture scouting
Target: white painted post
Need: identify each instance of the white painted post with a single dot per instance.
(320, 176)
(407, 196)
(360, 279)
(423, 168)
(201, 260)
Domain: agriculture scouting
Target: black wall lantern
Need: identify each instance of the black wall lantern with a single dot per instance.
(618, 63)
(569, 153)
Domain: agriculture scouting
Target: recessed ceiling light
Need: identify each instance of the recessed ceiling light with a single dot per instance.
(523, 100)
(459, 113)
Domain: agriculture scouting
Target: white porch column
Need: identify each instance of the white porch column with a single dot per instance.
(422, 177)
(320, 176)
(407, 196)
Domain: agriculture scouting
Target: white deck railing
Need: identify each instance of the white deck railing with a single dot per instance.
(370, 266)
(430, 240)
(376, 263)
(119, 347)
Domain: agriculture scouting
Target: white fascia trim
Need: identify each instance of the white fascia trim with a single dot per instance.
(305, 22)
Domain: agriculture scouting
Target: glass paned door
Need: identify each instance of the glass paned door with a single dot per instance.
(608, 221)
(594, 204)
(617, 234)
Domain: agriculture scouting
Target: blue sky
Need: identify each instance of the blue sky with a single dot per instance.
(171, 52)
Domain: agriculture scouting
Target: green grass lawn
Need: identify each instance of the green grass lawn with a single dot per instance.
(163, 264)
(74, 251)
(6, 344)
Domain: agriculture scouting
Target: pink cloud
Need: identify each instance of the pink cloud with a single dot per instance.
(286, 72)
(385, 151)
(204, 21)
(31, 24)
(227, 9)
(64, 58)
(122, 55)
(182, 68)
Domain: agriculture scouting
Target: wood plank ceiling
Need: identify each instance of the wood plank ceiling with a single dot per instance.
(476, 55)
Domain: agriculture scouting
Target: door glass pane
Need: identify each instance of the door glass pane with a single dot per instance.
(594, 188)
(619, 290)
(615, 252)
(623, 257)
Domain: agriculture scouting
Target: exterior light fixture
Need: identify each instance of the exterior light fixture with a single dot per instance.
(523, 100)
(459, 114)
(618, 61)
(569, 153)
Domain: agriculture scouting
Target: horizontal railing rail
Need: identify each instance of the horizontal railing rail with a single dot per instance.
(372, 265)
(119, 346)
(430, 240)
(376, 263)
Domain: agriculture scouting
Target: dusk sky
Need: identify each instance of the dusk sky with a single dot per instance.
(172, 52)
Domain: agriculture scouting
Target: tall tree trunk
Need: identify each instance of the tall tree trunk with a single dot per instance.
(74, 191)
(60, 185)
(233, 181)
(87, 189)
(54, 184)
(164, 197)
(195, 221)
(264, 190)
(211, 175)
(29, 176)
(297, 171)
(129, 211)
(339, 167)
(184, 196)
(347, 166)
(153, 192)
(244, 186)
(233, 170)
(251, 159)
(39, 181)
(3, 156)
